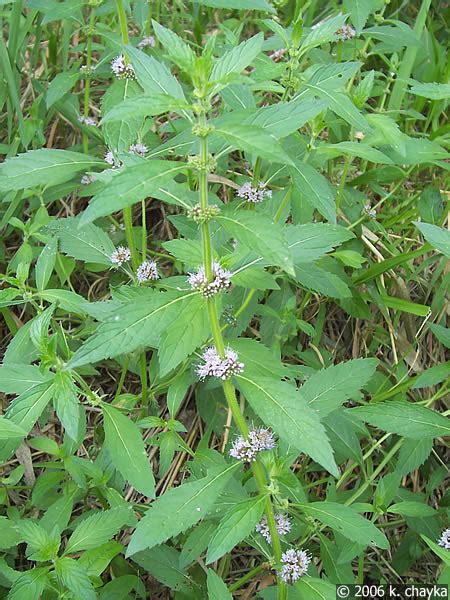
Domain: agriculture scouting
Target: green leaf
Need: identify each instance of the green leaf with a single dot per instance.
(433, 90)
(438, 237)
(61, 85)
(154, 76)
(438, 550)
(359, 149)
(237, 59)
(328, 388)
(313, 589)
(238, 4)
(409, 420)
(44, 167)
(196, 542)
(125, 445)
(131, 185)
(217, 590)
(320, 280)
(133, 325)
(281, 407)
(18, 378)
(314, 189)
(179, 52)
(45, 263)
(30, 585)
(9, 430)
(97, 529)
(119, 135)
(413, 454)
(236, 525)
(359, 11)
(74, 578)
(254, 140)
(251, 229)
(341, 105)
(89, 243)
(10, 536)
(163, 563)
(311, 241)
(144, 105)
(66, 404)
(394, 37)
(432, 376)
(326, 32)
(186, 332)
(442, 334)
(347, 522)
(190, 502)
(412, 509)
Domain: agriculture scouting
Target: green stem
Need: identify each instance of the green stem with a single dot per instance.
(247, 577)
(123, 21)
(87, 81)
(143, 374)
(228, 388)
(347, 162)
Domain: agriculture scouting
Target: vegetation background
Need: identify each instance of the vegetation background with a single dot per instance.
(264, 179)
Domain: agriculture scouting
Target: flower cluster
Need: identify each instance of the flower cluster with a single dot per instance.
(444, 540)
(295, 563)
(346, 32)
(122, 69)
(146, 271)
(283, 524)
(198, 281)
(202, 215)
(120, 256)
(148, 41)
(215, 366)
(111, 160)
(254, 194)
(277, 54)
(257, 441)
(140, 149)
(87, 121)
(371, 212)
(87, 179)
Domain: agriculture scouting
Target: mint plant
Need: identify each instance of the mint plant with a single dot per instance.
(225, 370)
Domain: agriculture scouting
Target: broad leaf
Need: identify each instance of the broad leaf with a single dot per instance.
(98, 529)
(74, 577)
(154, 76)
(9, 430)
(190, 502)
(89, 243)
(314, 189)
(124, 442)
(44, 167)
(237, 59)
(217, 590)
(438, 237)
(178, 51)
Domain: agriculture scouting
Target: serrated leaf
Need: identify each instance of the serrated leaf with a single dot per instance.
(154, 76)
(74, 578)
(124, 442)
(217, 590)
(404, 418)
(45, 263)
(238, 4)
(18, 378)
(327, 389)
(30, 584)
(412, 509)
(144, 105)
(131, 185)
(281, 407)
(433, 90)
(413, 454)
(314, 189)
(237, 59)
(88, 243)
(97, 529)
(120, 134)
(236, 525)
(133, 325)
(251, 229)
(67, 405)
(438, 237)
(347, 522)
(163, 563)
(179, 52)
(9, 430)
(44, 167)
(190, 502)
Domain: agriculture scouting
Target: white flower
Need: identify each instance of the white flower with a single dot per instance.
(253, 194)
(277, 54)
(295, 563)
(87, 179)
(221, 281)
(258, 440)
(87, 121)
(283, 524)
(346, 32)
(140, 149)
(120, 256)
(370, 211)
(122, 69)
(444, 540)
(146, 41)
(215, 366)
(146, 271)
(109, 158)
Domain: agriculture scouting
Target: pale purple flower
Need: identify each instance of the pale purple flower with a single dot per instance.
(258, 440)
(88, 121)
(109, 158)
(120, 256)
(122, 69)
(283, 524)
(148, 41)
(198, 281)
(87, 179)
(371, 212)
(254, 194)
(277, 54)
(114, 228)
(444, 540)
(146, 271)
(215, 366)
(140, 149)
(346, 32)
(295, 563)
